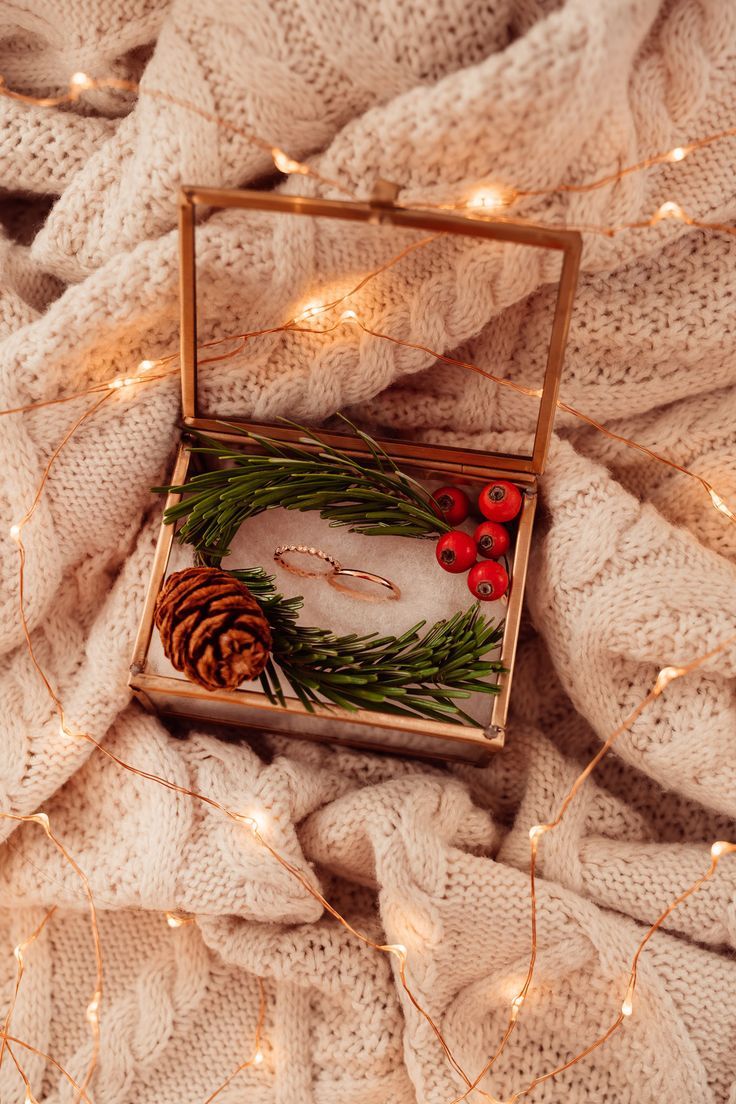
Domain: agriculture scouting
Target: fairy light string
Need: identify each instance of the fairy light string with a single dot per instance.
(350, 317)
(29, 1098)
(256, 1058)
(81, 82)
(18, 953)
(488, 200)
(485, 201)
(81, 1094)
(93, 1006)
(717, 501)
(238, 817)
(397, 950)
(717, 851)
(665, 676)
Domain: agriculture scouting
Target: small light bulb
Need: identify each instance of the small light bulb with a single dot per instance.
(15, 531)
(285, 164)
(536, 832)
(18, 954)
(80, 80)
(490, 197)
(516, 1006)
(93, 1008)
(42, 819)
(721, 505)
(256, 821)
(30, 1098)
(679, 153)
(122, 381)
(348, 316)
(258, 1058)
(628, 1005)
(721, 847)
(666, 676)
(669, 210)
(174, 921)
(146, 365)
(314, 306)
(397, 949)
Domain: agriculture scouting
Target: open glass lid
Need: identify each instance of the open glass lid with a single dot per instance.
(441, 335)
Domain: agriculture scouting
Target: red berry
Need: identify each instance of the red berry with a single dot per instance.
(488, 581)
(499, 501)
(492, 539)
(455, 551)
(454, 504)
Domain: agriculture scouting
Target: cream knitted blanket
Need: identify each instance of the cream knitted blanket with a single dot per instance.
(635, 570)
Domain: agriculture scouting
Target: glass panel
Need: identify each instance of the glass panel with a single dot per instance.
(359, 312)
(377, 738)
(406, 588)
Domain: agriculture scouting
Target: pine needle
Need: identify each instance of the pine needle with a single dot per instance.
(422, 673)
(418, 674)
(377, 500)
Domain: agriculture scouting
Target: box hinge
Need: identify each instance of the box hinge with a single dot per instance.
(384, 193)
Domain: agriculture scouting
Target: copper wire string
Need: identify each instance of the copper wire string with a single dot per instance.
(530, 392)
(257, 1056)
(502, 196)
(18, 952)
(395, 949)
(92, 1013)
(80, 82)
(718, 849)
(671, 156)
(29, 1097)
(150, 776)
(284, 163)
(81, 1092)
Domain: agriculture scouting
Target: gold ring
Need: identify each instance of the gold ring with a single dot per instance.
(356, 573)
(305, 550)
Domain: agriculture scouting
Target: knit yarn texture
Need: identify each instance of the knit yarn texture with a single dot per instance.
(632, 569)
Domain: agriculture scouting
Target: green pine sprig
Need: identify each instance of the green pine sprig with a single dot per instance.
(375, 499)
(416, 674)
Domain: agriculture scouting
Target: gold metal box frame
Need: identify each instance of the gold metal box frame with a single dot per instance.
(250, 708)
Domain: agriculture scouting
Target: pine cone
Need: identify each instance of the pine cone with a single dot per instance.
(212, 628)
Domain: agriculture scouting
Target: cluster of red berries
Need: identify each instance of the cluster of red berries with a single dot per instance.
(457, 551)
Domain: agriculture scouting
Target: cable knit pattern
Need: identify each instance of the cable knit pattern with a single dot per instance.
(631, 569)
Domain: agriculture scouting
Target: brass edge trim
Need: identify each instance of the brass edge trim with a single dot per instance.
(145, 701)
(187, 306)
(478, 465)
(569, 242)
(140, 681)
(484, 751)
(510, 230)
(252, 699)
(158, 570)
(513, 611)
(556, 352)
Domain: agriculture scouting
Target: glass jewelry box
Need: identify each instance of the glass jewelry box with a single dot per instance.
(289, 543)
